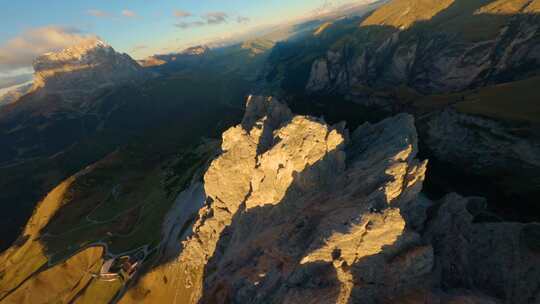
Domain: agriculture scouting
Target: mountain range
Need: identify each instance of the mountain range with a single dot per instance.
(388, 153)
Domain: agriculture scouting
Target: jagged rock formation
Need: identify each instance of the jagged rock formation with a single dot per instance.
(429, 46)
(297, 211)
(83, 69)
(284, 191)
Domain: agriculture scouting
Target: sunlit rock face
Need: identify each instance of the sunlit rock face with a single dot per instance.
(81, 69)
(300, 211)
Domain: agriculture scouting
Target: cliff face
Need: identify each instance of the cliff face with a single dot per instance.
(434, 47)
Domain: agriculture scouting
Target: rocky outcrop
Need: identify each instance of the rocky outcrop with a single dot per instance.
(80, 70)
(296, 211)
(294, 205)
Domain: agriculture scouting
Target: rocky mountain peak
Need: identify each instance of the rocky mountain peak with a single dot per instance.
(290, 195)
(86, 67)
(75, 52)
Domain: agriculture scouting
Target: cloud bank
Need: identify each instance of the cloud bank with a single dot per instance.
(211, 18)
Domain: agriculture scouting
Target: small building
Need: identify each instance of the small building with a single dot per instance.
(123, 267)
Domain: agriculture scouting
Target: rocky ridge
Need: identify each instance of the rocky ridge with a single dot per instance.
(296, 211)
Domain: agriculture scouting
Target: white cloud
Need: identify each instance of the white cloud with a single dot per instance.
(19, 52)
(212, 18)
(129, 13)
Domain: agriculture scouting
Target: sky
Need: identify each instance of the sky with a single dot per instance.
(140, 28)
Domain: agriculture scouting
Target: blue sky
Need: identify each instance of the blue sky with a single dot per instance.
(137, 27)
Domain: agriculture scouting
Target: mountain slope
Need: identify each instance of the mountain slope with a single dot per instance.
(402, 14)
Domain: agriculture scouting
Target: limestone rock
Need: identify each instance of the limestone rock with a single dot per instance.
(296, 207)
(318, 78)
(297, 211)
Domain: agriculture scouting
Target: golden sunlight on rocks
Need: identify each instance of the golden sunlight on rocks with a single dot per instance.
(273, 192)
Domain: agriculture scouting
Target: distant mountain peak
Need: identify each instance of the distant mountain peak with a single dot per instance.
(75, 51)
(85, 67)
(196, 50)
